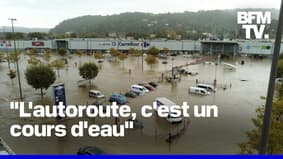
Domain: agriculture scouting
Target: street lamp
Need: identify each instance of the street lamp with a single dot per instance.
(17, 60)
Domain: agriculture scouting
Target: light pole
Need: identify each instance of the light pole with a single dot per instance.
(17, 60)
(270, 91)
(142, 53)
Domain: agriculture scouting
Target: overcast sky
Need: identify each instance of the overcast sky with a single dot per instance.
(48, 13)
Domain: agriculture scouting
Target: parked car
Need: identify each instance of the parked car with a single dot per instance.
(117, 97)
(138, 89)
(182, 71)
(153, 84)
(162, 56)
(147, 86)
(131, 94)
(90, 150)
(192, 73)
(95, 93)
(197, 90)
(173, 54)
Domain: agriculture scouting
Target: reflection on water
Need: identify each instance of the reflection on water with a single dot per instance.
(214, 135)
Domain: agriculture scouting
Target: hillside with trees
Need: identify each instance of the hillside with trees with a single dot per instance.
(187, 25)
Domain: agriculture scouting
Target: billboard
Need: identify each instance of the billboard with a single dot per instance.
(59, 94)
(36, 43)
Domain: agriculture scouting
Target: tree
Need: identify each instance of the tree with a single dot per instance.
(150, 60)
(12, 74)
(98, 55)
(38, 35)
(57, 64)
(132, 50)
(153, 51)
(88, 71)
(47, 55)
(135, 52)
(165, 50)
(79, 53)
(280, 68)
(62, 51)
(275, 139)
(122, 57)
(33, 60)
(114, 52)
(13, 57)
(40, 77)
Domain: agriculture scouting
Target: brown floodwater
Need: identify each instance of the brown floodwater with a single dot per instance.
(196, 135)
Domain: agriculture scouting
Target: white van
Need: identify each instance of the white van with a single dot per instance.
(162, 101)
(197, 90)
(208, 87)
(95, 93)
(140, 90)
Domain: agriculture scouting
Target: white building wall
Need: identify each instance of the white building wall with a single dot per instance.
(170, 44)
(256, 47)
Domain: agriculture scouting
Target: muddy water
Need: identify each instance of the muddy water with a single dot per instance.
(214, 135)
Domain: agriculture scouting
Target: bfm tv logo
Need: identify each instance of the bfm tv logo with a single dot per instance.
(254, 21)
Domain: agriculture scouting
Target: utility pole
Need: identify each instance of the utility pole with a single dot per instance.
(142, 53)
(270, 92)
(17, 60)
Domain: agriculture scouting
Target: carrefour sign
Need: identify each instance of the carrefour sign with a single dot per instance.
(131, 44)
(128, 43)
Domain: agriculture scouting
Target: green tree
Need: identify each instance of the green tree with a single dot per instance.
(280, 68)
(40, 77)
(88, 71)
(153, 51)
(38, 35)
(122, 57)
(275, 139)
(57, 64)
(150, 60)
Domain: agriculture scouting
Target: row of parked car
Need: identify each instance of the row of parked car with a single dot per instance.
(135, 90)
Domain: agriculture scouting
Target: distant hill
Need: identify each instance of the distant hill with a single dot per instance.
(219, 22)
(24, 29)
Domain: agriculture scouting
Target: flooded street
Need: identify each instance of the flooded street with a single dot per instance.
(200, 136)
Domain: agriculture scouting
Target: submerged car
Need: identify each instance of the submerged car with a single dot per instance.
(95, 93)
(147, 86)
(117, 97)
(153, 84)
(131, 94)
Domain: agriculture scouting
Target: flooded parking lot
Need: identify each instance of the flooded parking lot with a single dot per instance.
(210, 135)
